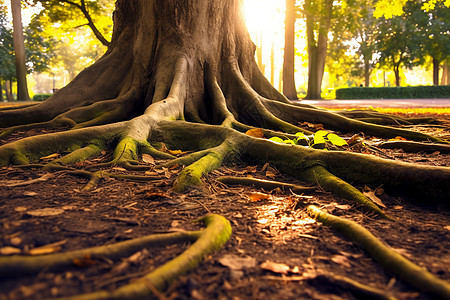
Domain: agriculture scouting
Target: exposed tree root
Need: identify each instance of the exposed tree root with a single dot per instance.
(265, 184)
(409, 146)
(388, 258)
(216, 234)
(355, 287)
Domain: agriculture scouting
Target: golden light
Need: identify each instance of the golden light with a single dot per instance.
(265, 23)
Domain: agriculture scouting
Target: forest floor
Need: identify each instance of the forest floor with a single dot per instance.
(276, 251)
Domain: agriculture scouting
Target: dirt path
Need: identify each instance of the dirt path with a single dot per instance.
(276, 250)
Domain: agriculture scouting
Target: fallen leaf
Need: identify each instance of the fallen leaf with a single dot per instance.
(45, 212)
(16, 241)
(8, 250)
(175, 152)
(398, 207)
(257, 132)
(20, 208)
(83, 262)
(398, 138)
(54, 155)
(29, 194)
(371, 195)
(119, 169)
(148, 159)
(263, 221)
(447, 227)
(257, 196)
(235, 262)
(341, 260)
(275, 267)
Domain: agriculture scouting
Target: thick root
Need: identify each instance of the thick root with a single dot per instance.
(324, 179)
(216, 234)
(265, 184)
(191, 175)
(388, 258)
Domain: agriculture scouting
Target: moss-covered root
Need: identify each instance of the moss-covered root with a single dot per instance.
(265, 184)
(320, 176)
(128, 150)
(388, 258)
(191, 176)
(19, 265)
(212, 238)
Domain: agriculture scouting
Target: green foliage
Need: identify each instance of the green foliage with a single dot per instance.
(41, 97)
(320, 140)
(411, 92)
(7, 67)
(38, 49)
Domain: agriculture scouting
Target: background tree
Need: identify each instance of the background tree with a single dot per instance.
(177, 76)
(73, 14)
(398, 42)
(318, 15)
(7, 60)
(434, 29)
(289, 89)
(19, 51)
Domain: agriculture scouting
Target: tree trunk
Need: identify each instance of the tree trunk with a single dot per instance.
(1, 89)
(289, 89)
(317, 50)
(397, 74)
(436, 64)
(445, 75)
(8, 90)
(367, 71)
(19, 49)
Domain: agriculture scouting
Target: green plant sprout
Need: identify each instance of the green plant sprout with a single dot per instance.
(319, 140)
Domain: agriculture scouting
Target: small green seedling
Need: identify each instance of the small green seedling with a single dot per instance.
(318, 141)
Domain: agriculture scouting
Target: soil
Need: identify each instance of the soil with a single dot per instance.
(276, 251)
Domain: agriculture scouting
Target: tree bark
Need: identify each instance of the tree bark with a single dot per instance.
(8, 90)
(19, 49)
(1, 90)
(317, 50)
(436, 64)
(367, 72)
(445, 74)
(289, 89)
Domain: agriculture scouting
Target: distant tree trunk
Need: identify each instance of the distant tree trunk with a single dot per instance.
(397, 73)
(289, 52)
(367, 72)
(445, 74)
(317, 51)
(435, 71)
(272, 64)
(19, 49)
(1, 90)
(8, 90)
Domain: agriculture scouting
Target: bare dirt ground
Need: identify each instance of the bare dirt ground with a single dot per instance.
(276, 251)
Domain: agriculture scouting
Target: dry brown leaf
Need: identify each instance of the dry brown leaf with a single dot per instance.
(20, 208)
(398, 138)
(257, 132)
(275, 267)
(83, 262)
(45, 212)
(371, 195)
(341, 260)
(447, 227)
(257, 196)
(119, 169)
(54, 155)
(148, 159)
(8, 250)
(235, 262)
(29, 194)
